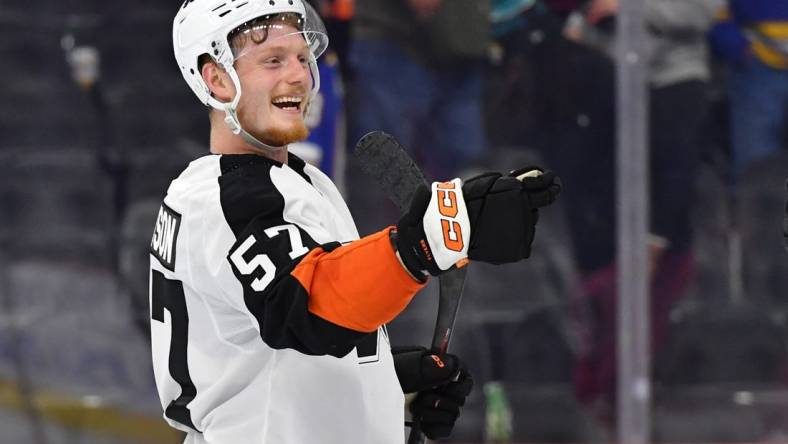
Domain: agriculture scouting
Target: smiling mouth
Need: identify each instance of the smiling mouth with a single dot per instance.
(288, 103)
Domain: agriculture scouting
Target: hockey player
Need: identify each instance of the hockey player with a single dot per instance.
(268, 310)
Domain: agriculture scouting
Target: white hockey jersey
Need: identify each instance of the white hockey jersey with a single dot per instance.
(268, 311)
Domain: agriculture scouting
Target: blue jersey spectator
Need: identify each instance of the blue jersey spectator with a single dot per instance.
(752, 35)
(416, 73)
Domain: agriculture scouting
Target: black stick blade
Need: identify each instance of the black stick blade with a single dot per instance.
(383, 158)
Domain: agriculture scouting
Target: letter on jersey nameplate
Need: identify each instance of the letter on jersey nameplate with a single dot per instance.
(165, 236)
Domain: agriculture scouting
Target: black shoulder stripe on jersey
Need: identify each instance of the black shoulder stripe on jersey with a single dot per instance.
(252, 205)
(246, 190)
(298, 165)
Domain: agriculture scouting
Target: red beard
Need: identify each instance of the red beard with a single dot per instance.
(282, 137)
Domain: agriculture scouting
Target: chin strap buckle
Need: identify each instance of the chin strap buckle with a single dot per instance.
(233, 123)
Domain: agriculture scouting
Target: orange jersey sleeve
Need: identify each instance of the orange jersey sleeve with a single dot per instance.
(359, 286)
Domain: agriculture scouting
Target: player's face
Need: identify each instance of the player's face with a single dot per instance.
(275, 83)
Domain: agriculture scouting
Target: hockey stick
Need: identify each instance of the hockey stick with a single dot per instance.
(383, 159)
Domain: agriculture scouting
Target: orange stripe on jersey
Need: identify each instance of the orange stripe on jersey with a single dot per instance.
(360, 286)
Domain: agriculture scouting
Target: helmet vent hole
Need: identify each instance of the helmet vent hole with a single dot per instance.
(218, 7)
(271, 2)
(225, 12)
(242, 4)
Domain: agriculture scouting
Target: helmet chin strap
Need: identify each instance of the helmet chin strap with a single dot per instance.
(231, 113)
(231, 118)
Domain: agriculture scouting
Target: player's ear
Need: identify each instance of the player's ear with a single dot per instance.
(218, 81)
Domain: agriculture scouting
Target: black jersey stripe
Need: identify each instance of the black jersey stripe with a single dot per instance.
(298, 165)
(251, 203)
(285, 322)
(246, 191)
(168, 294)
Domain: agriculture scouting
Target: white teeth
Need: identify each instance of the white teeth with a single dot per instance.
(284, 99)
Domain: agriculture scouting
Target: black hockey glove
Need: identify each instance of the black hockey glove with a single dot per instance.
(504, 210)
(433, 236)
(442, 384)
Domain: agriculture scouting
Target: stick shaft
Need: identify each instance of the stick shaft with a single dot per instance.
(384, 159)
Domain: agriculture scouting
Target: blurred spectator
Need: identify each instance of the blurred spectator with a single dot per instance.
(337, 15)
(552, 97)
(417, 74)
(752, 35)
(556, 95)
(678, 73)
(563, 8)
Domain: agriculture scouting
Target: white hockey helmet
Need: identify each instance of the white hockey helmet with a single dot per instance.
(205, 26)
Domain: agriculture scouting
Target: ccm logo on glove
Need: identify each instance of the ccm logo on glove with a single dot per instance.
(435, 234)
(447, 206)
(446, 224)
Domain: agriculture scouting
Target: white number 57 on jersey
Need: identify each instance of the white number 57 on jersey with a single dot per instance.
(262, 261)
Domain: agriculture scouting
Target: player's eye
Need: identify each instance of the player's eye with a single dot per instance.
(272, 61)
